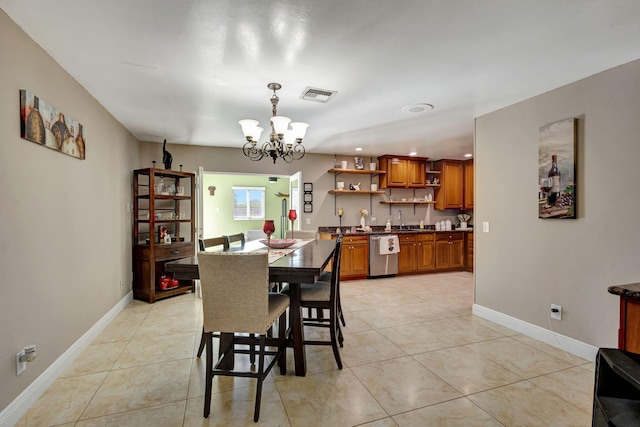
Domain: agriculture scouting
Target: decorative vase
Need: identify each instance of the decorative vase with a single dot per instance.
(35, 124)
(362, 222)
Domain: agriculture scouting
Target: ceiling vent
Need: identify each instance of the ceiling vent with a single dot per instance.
(317, 95)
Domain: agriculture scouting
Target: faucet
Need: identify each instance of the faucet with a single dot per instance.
(399, 218)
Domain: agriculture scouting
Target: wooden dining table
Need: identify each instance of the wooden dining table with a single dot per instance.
(302, 265)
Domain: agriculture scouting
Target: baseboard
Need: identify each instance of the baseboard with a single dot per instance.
(16, 409)
(568, 344)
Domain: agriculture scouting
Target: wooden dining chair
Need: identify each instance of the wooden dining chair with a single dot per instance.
(323, 295)
(235, 300)
(233, 238)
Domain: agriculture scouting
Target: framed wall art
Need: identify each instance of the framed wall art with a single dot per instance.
(557, 170)
(41, 123)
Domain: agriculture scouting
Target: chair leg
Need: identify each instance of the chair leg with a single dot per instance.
(282, 331)
(252, 351)
(202, 342)
(206, 337)
(256, 412)
(334, 340)
(341, 316)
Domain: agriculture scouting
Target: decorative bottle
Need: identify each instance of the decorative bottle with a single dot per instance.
(554, 174)
(80, 141)
(35, 124)
(60, 130)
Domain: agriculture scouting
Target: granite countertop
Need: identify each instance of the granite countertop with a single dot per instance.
(395, 230)
(631, 290)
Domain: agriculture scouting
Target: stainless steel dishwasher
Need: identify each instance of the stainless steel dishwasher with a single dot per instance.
(381, 265)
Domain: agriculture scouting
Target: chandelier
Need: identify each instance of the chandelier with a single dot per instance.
(284, 142)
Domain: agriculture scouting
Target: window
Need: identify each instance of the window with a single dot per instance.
(248, 203)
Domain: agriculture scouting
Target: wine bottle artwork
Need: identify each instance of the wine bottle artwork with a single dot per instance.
(41, 123)
(554, 174)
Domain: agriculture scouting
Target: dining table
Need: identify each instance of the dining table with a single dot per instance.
(302, 263)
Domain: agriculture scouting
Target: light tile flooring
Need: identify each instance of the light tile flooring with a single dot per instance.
(414, 355)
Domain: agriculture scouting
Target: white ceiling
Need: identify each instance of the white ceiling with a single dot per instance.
(188, 70)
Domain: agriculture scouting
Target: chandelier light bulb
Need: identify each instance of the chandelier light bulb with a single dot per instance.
(280, 124)
(298, 130)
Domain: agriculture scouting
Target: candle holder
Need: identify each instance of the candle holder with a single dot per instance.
(340, 213)
(292, 216)
(269, 228)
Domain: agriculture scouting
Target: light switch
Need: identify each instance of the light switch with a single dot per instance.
(485, 227)
(308, 221)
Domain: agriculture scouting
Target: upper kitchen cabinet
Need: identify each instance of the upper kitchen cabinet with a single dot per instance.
(403, 171)
(467, 168)
(450, 194)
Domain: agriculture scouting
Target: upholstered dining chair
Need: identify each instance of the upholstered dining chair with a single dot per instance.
(255, 235)
(322, 296)
(301, 234)
(206, 245)
(235, 300)
(233, 238)
(212, 243)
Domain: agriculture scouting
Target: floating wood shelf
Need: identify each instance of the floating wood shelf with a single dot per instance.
(338, 192)
(357, 171)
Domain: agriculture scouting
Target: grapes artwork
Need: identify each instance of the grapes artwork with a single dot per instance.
(557, 170)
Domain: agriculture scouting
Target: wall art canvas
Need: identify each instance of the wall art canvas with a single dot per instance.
(557, 170)
(41, 123)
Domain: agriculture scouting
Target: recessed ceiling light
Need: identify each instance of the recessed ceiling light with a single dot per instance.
(468, 155)
(413, 153)
(358, 148)
(421, 107)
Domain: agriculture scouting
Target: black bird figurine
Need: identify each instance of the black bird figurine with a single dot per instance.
(167, 158)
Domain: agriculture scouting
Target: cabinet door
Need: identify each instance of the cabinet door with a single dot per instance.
(407, 257)
(468, 185)
(442, 254)
(426, 257)
(345, 261)
(396, 173)
(359, 259)
(453, 185)
(456, 254)
(416, 174)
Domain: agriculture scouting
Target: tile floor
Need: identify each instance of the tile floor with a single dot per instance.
(414, 355)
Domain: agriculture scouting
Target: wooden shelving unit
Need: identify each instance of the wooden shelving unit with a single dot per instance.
(152, 209)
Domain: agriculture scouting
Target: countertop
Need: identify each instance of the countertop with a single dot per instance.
(630, 290)
(396, 230)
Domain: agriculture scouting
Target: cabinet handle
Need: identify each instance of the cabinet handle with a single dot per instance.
(175, 251)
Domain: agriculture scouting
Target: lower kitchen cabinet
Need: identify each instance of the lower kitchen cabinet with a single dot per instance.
(426, 254)
(407, 256)
(469, 237)
(450, 250)
(355, 257)
(417, 253)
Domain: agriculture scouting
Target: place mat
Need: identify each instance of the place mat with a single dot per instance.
(276, 254)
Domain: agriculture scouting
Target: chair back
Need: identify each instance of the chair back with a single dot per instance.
(232, 238)
(255, 235)
(235, 292)
(335, 272)
(211, 243)
(301, 234)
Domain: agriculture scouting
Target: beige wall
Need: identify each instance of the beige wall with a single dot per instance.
(524, 264)
(66, 230)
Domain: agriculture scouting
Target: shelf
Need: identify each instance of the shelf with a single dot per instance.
(407, 202)
(165, 197)
(432, 185)
(338, 192)
(434, 172)
(161, 221)
(357, 171)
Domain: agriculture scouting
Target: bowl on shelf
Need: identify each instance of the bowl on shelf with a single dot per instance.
(279, 243)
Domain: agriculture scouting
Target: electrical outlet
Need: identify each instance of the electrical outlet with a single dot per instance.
(20, 366)
(556, 311)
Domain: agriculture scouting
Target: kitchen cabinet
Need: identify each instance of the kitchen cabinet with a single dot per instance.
(354, 263)
(417, 253)
(407, 255)
(450, 193)
(426, 253)
(403, 171)
(469, 244)
(468, 177)
(450, 250)
(163, 201)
